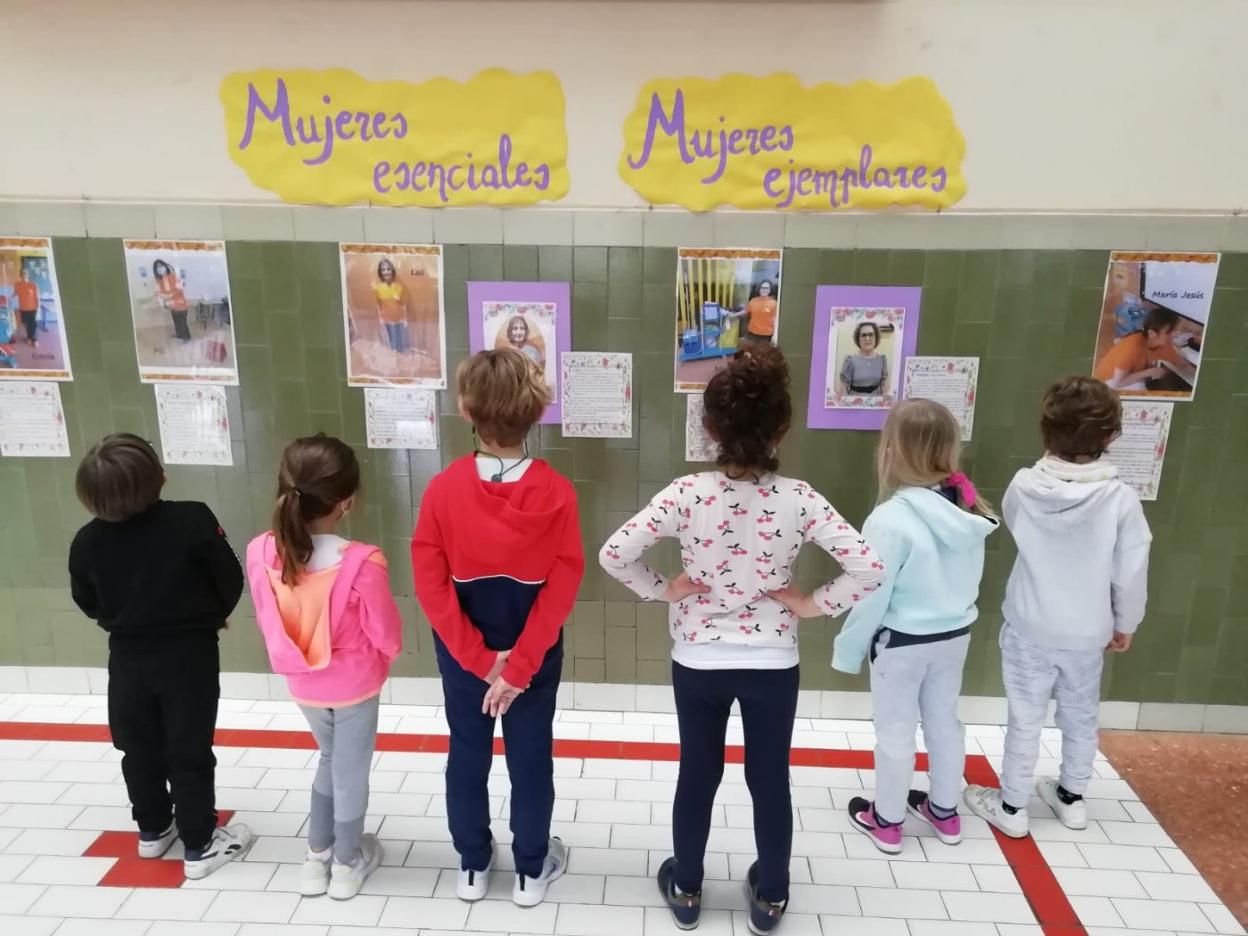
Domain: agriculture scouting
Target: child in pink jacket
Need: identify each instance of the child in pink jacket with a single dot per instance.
(332, 629)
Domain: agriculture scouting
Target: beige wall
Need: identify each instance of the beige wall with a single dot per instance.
(1066, 105)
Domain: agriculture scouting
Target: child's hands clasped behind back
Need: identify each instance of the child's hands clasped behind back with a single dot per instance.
(499, 698)
(798, 602)
(681, 587)
(1119, 643)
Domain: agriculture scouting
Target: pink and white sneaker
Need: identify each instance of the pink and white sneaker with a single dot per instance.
(947, 830)
(886, 838)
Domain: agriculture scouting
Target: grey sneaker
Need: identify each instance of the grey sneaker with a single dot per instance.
(531, 891)
(986, 803)
(345, 881)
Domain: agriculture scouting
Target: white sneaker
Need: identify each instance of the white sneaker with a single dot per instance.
(345, 881)
(314, 875)
(1072, 815)
(472, 885)
(985, 802)
(228, 843)
(157, 845)
(530, 891)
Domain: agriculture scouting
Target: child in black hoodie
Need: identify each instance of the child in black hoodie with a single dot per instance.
(160, 577)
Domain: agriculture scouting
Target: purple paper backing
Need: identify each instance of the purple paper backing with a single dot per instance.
(558, 293)
(826, 299)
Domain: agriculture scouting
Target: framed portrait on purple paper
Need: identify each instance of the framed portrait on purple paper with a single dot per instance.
(863, 335)
(533, 318)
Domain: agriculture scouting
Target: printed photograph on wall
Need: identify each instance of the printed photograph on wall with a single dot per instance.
(1151, 334)
(180, 304)
(32, 324)
(725, 298)
(862, 338)
(862, 372)
(532, 318)
(393, 314)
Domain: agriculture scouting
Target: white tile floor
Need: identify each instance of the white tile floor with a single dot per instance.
(1122, 875)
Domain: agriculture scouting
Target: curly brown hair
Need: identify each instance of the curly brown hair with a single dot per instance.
(1079, 417)
(748, 411)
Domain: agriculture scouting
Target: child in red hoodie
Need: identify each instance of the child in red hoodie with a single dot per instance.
(497, 561)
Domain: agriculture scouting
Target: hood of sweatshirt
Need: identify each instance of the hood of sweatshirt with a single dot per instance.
(957, 528)
(502, 518)
(1060, 495)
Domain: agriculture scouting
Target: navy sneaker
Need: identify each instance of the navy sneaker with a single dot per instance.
(764, 915)
(686, 908)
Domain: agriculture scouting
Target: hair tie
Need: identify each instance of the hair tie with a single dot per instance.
(965, 488)
(296, 492)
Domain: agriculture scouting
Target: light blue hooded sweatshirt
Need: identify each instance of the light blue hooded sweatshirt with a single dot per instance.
(933, 554)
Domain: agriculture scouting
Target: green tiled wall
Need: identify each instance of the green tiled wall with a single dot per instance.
(1030, 315)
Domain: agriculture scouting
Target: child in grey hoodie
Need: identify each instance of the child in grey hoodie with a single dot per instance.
(1078, 588)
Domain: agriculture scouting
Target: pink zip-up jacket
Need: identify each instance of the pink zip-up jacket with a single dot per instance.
(334, 634)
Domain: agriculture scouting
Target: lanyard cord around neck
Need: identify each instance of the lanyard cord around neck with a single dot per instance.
(498, 475)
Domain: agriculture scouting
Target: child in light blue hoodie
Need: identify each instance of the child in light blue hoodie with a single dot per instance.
(929, 530)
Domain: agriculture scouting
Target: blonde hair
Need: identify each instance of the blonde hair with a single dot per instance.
(503, 393)
(920, 447)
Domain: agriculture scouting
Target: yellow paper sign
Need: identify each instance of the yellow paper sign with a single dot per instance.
(334, 138)
(774, 143)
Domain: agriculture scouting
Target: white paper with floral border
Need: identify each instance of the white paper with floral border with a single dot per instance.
(597, 388)
(1140, 451)
(851, 318)
(401, 418)
(950, 381)
(32, 420)
(699, 447)
(194, 424)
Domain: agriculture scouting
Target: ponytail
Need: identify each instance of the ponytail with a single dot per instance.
(291, 535)
(317, 474)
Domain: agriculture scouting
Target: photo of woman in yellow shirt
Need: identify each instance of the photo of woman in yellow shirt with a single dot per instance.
(392, 305)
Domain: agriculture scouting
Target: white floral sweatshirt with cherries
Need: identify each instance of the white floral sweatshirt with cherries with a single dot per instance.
(741, 539)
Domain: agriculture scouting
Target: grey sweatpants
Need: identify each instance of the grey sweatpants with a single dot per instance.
(346, 737)
(919, 682)
(1033, 674)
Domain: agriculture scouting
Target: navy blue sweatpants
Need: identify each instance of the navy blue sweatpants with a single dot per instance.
(768, 705)
(528, 736)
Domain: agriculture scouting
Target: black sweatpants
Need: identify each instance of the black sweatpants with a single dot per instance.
(162, 711)
(768, 706)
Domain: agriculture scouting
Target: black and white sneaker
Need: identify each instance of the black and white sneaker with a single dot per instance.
(531, 891)
(473, 885)
(155, 844)
(228, 843)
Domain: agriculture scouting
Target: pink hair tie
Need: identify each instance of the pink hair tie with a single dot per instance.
(965, 488)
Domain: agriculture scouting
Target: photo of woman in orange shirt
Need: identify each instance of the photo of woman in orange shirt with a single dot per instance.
(760, 313)
(169, 293)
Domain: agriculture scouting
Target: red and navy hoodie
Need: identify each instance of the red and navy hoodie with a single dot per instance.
(497, 566)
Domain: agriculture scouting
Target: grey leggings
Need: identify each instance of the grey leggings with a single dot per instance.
(346, 737)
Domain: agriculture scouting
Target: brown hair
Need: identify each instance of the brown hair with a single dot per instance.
(316, 475)
(921, 446)
(119, 478)
(748, 410)
(1079, 417)
(503, 393)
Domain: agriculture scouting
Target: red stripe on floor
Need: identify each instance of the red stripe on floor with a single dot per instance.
(1040, 887)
